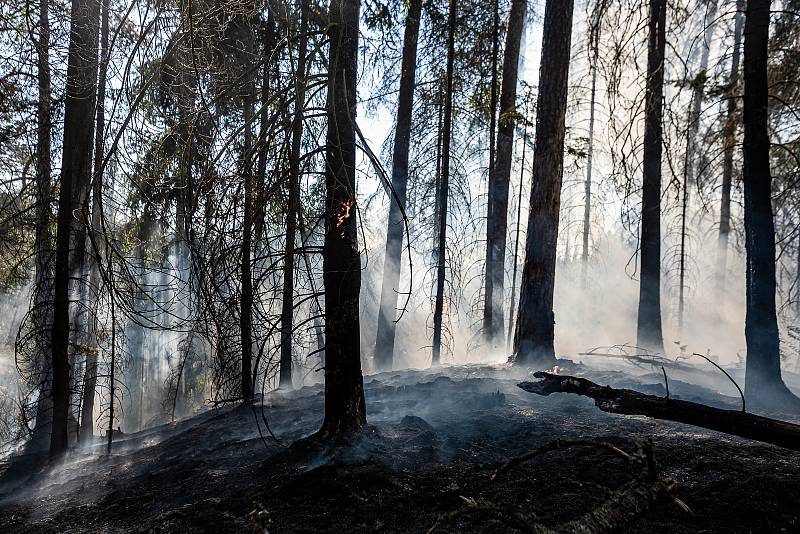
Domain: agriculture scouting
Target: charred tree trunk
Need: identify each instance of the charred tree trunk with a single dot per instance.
(384, 341)
(442, 191)
(44, 239)
(649, 333)
(76, 170)
(246, 266)
(499, 177)
(729, 146)
(629, 402)
(763, 383)
(90, 372)
(287, 315)
(345, 409)
(535, 322)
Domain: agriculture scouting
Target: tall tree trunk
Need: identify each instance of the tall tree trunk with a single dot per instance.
(649, 333)
(499, 177)
(729, 146)
(76, 170)
(246, 266)
(515, 259)
(535, 322)
(90, 372)
(345, 409)
(763, 383)
(594, 43)
(698, 84)
(44, 239)
(442, 192)
(489, 311)
(384, 341)
(287, 312)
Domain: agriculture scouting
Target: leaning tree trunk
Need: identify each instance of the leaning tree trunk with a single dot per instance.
(763, 383)
(90, 372)
(287, 311)
(43, 243)
(533, 343)
(442, 191)
(729, 146)
(384, 341)
(499, 177)
(649, 333)
(345, 409)
(76, 170)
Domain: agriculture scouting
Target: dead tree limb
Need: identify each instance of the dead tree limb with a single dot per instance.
(629, 402)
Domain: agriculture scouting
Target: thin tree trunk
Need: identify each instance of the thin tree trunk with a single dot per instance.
(489, 310)
(90, 373)
(729, 143)
(345, 409)
(510, 337)
(442, 192)
(246, 266)
(499, 177)
(587, 189)
(763, 383)
(535, 322)
(76, 170)
(287, 312)
(384, 341)
(649, 333)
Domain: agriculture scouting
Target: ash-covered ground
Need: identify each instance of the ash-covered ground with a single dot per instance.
(435, 438)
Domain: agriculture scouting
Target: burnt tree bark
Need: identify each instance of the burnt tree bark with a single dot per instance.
(444, 184)
(384, 341)
(345, 409)
(763, 383)
(499, 177)
(76, 170)
(729, 146)
(44, 238)
(648, 328)
(533, 343)
(293, 207)
(630, 402)
(246, 266)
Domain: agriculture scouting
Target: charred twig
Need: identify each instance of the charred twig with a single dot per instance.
(629, 402)
(561, 444)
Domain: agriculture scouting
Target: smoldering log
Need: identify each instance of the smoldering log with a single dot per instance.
(630, 402)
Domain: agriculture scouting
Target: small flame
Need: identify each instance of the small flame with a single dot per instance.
(342, 217)
(555, 370)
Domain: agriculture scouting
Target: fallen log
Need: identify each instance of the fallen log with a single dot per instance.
(629, 402)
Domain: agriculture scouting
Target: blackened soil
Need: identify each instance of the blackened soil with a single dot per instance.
(435, 438)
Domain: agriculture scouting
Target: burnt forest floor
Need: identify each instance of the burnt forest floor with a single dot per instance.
(435, 437)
